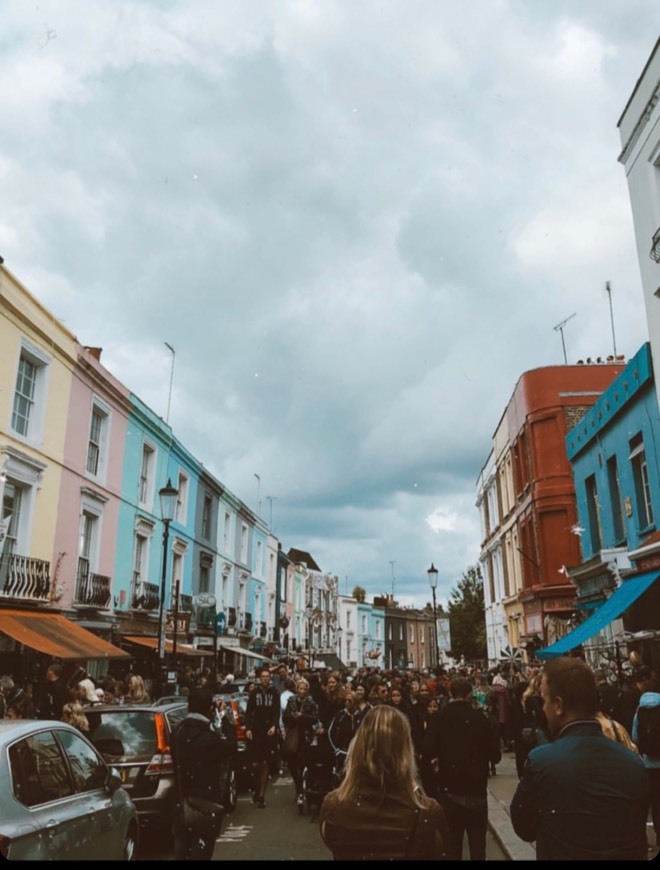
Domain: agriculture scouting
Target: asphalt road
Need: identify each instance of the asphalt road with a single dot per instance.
(276, 833)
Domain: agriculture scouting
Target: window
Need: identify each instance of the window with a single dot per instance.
(182, 498)
(615, 501)
(97, 447)
(11, 507)
(87, 537)
(204, 578)
(421, 634)
(30, 392)
(412, 634)
(88, 768)
(400, 631)
(206, 517)
(259, 567)
(244, 544)
(348, 619)
(38, 770)
(140, 560)
(147, 474)
(227, 532)
(593, 510)
(641, 479)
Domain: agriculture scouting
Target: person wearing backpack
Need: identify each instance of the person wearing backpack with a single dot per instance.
(646, 734)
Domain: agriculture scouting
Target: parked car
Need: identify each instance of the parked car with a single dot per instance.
(59, 799)
(135, 738)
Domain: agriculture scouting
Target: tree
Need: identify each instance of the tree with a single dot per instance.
(467, 617)
(359, 594)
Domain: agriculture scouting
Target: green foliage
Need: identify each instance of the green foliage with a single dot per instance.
(467, 617)
(359, 594)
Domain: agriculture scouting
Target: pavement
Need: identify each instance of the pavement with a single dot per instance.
(501, 789)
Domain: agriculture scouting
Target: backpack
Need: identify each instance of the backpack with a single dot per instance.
(648, 730)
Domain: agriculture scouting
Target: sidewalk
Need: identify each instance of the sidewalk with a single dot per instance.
(501, 789)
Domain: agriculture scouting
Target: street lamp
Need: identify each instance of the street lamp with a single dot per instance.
(433, 580)
(168, 496)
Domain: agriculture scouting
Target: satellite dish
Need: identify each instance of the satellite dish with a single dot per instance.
(205, 599)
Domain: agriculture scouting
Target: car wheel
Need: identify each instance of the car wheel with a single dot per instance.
(129, 850)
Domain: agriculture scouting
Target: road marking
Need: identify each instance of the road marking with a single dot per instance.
(234, 833)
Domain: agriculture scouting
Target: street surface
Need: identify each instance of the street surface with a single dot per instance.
(277, 833)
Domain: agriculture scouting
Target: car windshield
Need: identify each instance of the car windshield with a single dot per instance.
(120, 733)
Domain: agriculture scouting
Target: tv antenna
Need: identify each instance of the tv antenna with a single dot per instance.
(560, 327)
(392, 564)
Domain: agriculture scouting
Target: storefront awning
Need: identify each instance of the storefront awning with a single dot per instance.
(183, 649)
(57, 636)
(330, 660)
(616, 604)
(241, 651)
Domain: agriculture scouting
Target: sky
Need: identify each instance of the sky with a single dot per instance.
(357, 223)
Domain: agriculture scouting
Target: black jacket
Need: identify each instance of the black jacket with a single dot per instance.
(465, 744)
(198, 753)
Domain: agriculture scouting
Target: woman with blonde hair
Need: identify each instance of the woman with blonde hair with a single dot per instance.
(380, 810)
(74, 714)
(137, 692)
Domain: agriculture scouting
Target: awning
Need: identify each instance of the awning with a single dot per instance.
(183, 649)
(57, 636)
(629, 591)
(241, 651)
(331, 660)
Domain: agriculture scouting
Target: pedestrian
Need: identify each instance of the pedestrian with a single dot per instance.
(646, 734)
(17, 698)
(460, 744)
(136, 692)
(343, 728)
(380, 811)
(300, 717)
(54, 693)
(74, 714)
(581, 796)
(199, 754)
(262, 721)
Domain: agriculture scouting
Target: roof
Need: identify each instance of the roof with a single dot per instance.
(297, 556)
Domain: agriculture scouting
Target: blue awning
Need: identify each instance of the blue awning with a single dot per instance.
(629, 591)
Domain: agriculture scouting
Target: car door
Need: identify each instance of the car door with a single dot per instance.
(95, 802)
(46, 789)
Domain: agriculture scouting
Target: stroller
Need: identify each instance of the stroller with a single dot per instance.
(319, 775)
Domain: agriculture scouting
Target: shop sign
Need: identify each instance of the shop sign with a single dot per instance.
(182, 624)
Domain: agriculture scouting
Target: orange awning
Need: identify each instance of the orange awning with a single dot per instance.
(183, 649)
(55, 635)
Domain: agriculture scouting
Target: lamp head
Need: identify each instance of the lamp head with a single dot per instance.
(433, 576)
(168, 496)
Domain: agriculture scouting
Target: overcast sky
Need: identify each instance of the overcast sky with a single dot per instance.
(356, 222)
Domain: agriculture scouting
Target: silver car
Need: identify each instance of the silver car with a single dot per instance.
(59, 800)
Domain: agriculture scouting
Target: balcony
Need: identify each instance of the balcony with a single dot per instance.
(655, 246)
(24, 577)
(147, 597)
(92, 590)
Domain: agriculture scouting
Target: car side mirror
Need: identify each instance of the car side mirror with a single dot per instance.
(113, 780)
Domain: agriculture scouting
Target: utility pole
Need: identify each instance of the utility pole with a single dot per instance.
(258, 499)
(608, 290)
(560, 327)
(270, 499)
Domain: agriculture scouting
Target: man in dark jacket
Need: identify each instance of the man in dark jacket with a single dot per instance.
(460, 745)
(54, 694)
(582, 796)
(262, 722)
(198, 753)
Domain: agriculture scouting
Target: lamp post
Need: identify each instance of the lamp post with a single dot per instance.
(340, 632)
(433, 580)
(168, 496)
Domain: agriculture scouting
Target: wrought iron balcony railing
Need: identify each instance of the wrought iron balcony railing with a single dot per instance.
(146, 597)
(91, 589)
(655, 246)
(24, 577)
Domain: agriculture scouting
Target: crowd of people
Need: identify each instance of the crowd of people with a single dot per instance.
(403, 749)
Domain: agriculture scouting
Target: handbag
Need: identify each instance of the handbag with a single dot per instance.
(291, 742)
(201, 814)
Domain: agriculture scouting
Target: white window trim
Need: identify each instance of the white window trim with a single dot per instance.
(104, 443)
(42, 361)
(148, 502)
(183, 485)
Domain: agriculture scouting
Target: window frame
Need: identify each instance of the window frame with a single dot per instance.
(35, 419)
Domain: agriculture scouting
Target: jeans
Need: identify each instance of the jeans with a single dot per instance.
(472, 820)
